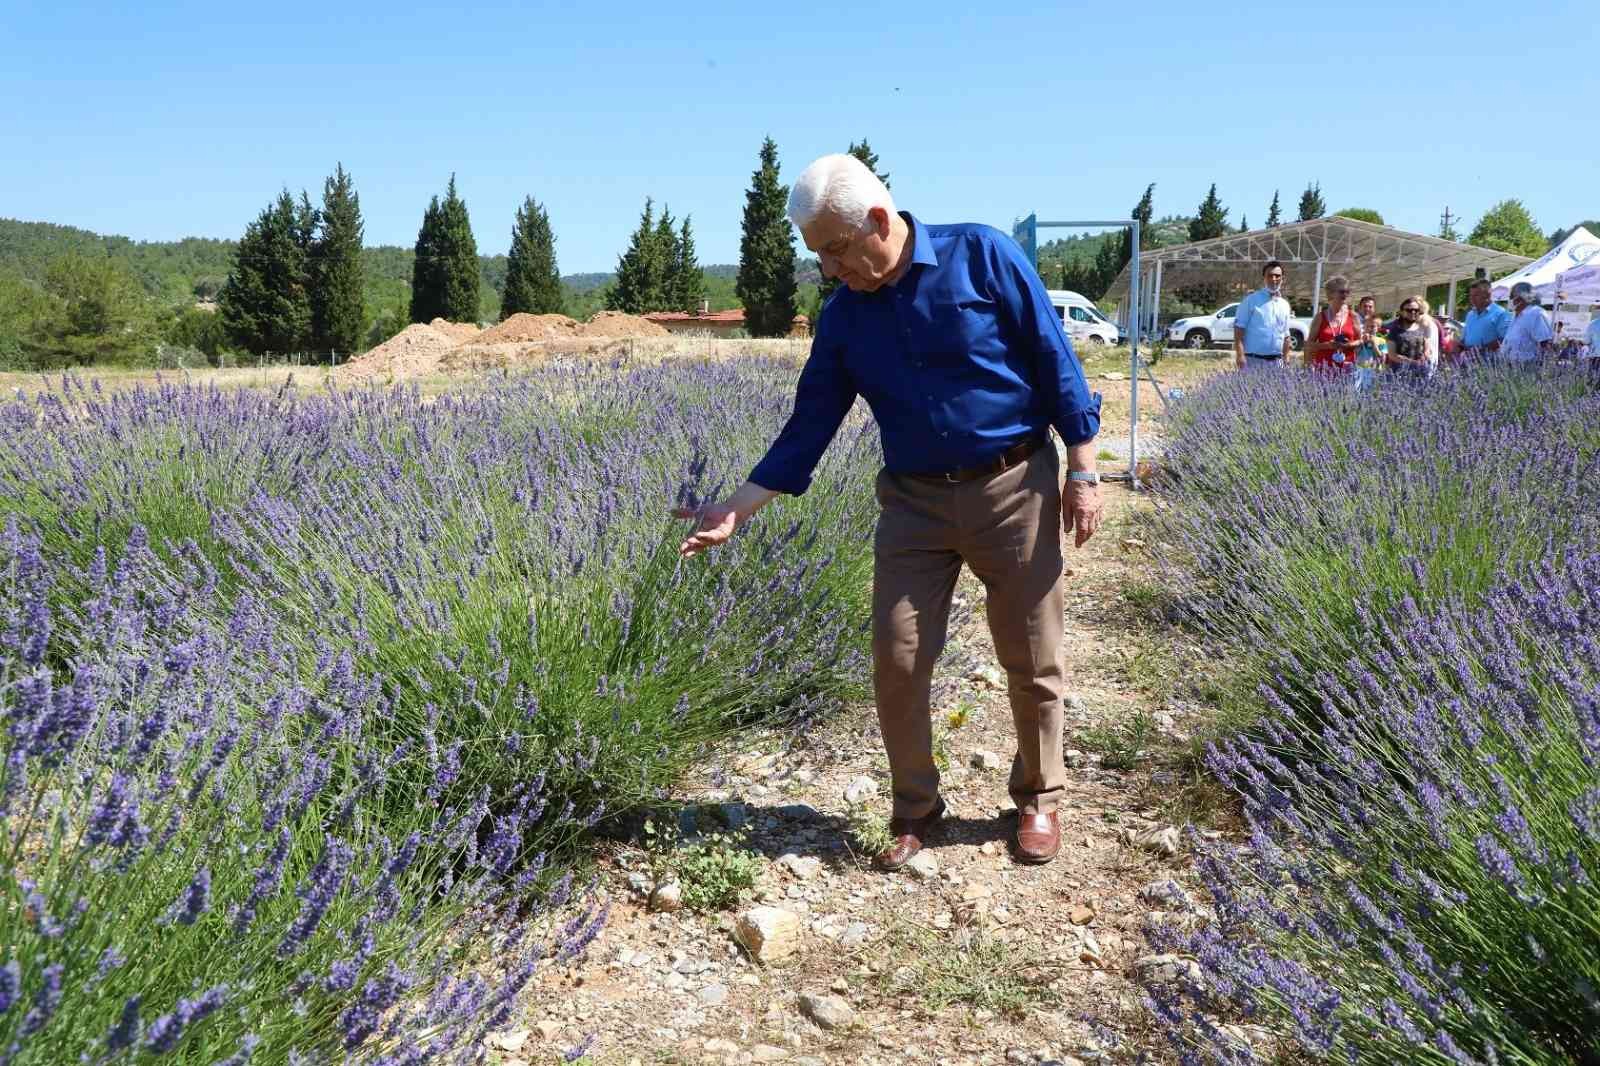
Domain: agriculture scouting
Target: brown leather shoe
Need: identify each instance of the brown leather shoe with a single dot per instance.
(909, 833)
(1038, 837)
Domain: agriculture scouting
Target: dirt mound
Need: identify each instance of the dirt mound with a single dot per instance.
(459, 332)
(522, 327)
(621, 324)
(415, 350)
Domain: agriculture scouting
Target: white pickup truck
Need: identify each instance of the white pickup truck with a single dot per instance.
(1217, 328)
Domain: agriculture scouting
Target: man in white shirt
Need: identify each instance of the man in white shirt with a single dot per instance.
(1591, 337)
(1261, 327)
(1530, 334)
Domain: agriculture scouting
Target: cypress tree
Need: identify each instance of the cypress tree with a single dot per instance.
(640, 269)
(688, 281)
(1311, 205)
(427, 271)
(665, 257)
(1274, 217)
(264, 303)
(766, 284)
(444, 278)
(1211, 220)
(1107, 269)
(1244, 223)
(869, 158)
(533, 284)
(338, 302)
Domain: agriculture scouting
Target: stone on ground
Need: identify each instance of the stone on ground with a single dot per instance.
(828, 1011)
(768, 933)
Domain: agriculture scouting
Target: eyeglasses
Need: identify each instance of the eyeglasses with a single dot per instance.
(1341, 292)
(1411, 309)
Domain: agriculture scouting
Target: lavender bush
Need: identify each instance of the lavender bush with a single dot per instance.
(190, 868)
(1412, 578)
(445, 637)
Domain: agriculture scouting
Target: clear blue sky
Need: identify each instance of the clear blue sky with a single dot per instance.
(162, 120)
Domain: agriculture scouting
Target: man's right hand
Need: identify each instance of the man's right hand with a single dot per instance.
(716, 524)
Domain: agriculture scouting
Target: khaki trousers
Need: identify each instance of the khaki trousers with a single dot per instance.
(1007, 528)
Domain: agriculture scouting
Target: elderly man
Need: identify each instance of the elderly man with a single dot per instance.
(1261, 327)
(1529, 334)
(1487, 322)
(949, 335)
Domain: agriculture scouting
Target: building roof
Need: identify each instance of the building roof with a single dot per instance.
(733, 317)
(1376, 259)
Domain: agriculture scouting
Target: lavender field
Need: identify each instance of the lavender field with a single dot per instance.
(309, 702)
(1407, 587)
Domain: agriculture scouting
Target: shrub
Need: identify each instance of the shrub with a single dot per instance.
(1408, 578)
(459, 629)
(193, 869)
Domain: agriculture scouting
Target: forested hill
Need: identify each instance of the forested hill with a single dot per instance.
(173, 271)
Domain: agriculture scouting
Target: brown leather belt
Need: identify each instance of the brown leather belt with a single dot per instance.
(994, 465)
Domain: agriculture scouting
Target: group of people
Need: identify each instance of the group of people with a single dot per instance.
(1356, 340)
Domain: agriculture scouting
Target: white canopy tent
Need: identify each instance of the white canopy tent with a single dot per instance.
(1379, 260)
(1580, 286)
(1579, 247)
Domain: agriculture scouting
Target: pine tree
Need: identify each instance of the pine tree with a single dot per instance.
(666, 255)
(687, 281)
(1114, 255)
(1311, 205)
(444, 278)
(766, 284)
(1273, 215)
(869, 159)
(533, 284)
(642, 269)
(264, 303)
(1244, 223)
(338, 302)
(1211, 220)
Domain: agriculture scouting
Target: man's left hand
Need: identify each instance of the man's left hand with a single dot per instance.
(1081, 510)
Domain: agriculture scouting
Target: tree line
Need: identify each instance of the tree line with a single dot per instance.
(1090, 263)
(300, 280)
(298, 285)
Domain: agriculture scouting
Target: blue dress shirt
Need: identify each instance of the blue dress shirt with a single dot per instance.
(959, 360)
(1264, 318)
(1485, 327)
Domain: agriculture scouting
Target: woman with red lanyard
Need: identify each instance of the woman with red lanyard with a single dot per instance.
(1336, 333)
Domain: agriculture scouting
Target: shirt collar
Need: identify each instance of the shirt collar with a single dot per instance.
(921, 246)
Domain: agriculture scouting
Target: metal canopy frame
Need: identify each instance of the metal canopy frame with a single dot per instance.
(1378, 260)
(1026, 233)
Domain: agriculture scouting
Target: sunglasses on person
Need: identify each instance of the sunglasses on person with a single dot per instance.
(1410, 309)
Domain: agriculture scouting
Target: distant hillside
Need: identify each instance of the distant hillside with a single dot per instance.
(170, 270)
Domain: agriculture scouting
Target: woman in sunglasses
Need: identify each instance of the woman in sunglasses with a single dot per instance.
(1336, 334)
(1414, 339)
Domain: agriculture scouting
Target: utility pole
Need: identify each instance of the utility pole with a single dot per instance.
(1446, 229)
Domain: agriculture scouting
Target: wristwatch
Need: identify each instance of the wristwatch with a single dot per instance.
(1088, 477)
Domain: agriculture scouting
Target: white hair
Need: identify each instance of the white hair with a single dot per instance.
(840, 185)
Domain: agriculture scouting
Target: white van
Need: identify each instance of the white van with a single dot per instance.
(1083, 320)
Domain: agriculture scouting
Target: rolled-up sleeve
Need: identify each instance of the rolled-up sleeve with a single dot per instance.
(1026, 307)
(821, 400)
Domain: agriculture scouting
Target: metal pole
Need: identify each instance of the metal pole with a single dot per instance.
(1316, 297)
(1155, 306)
(1450, 308)
(1133, 362)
